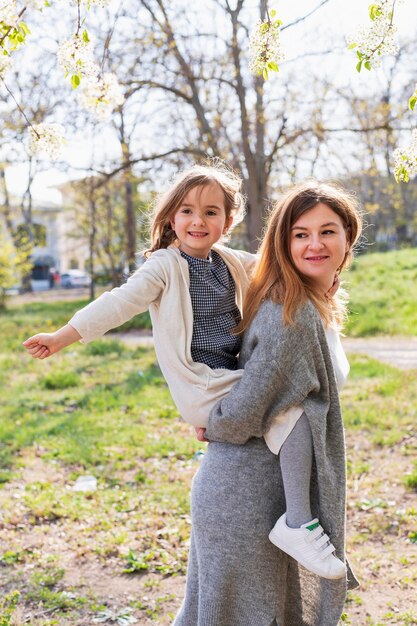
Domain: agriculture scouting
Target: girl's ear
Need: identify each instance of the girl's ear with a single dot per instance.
(228, 224)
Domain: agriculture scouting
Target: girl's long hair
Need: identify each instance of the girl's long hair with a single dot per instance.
(276, 276)
(167, 204)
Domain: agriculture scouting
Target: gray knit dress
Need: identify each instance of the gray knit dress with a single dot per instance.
(236, 577)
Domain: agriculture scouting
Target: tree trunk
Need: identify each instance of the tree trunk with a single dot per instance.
(92, 238)
(256, 194)
(130, 219)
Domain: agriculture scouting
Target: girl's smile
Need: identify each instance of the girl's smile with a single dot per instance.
(200, 221)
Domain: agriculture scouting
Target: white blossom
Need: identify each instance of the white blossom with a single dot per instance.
(75, 57)
(47, 139)
(265, 47)
(5, 63)
(405, 161)
(38, 5)
(8, 12)
(376, 40)
(101, 95)
(100, 3)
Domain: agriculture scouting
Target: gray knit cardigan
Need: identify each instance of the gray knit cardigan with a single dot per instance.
(235, 576)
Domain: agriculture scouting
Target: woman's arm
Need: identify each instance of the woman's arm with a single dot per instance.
(280, 373)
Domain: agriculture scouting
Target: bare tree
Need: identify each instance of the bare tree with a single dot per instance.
(199, 68)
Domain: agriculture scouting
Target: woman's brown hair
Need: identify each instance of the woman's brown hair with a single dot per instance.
(167, 204)
(276, 276)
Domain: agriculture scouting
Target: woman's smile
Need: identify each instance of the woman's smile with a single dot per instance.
(319, 244)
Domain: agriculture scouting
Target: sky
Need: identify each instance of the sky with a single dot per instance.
(334, 21)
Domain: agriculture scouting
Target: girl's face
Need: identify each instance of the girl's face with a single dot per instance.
(200, 220)
(318, 244)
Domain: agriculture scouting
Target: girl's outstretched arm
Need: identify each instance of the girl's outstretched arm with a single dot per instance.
(42, 345)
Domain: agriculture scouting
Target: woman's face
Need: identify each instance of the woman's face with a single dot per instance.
(318, 244)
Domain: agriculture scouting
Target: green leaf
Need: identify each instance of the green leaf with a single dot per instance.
(24, 28)
(374, 11)
(359, 66)
(86, 38)
(412, 102)
(265, 73)
(272, 13)
(359, 55)
(352, 45)
(273, 66)
(75, 80)
(368, 65)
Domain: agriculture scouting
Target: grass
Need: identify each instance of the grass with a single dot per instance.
(104, 409)
(383, 297)
(379, 400)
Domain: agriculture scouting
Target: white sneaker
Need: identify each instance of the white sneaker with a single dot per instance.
(310, 546)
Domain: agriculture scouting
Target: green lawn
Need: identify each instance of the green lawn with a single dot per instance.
(104, 409)
(383, 294)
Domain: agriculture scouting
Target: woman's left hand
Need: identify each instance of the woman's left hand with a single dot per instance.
(334, 287)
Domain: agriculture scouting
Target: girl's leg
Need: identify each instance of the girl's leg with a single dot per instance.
(296, 533)
(296, 458)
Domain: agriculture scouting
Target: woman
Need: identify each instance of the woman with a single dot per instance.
(236, 577)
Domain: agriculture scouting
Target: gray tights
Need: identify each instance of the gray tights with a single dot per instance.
(296, 458)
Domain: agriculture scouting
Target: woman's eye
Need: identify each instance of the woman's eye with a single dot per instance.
(300, 235)
(328, 232)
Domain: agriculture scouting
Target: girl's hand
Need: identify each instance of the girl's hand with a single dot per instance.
(201, 432)
(45, 344)
(42, 345)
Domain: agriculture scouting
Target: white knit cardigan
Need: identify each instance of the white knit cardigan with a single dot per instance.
(161, 285)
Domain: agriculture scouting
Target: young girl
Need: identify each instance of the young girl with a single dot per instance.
(192, 286)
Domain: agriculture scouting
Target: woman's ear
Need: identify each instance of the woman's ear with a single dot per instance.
(348, 231)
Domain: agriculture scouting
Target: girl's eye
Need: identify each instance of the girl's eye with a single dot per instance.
(328, 232)
(211, 213)
(185, 210)
(300, 235)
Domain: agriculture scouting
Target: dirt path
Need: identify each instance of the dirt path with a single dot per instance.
(398, 351)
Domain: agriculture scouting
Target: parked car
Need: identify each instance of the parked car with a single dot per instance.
(75, 278)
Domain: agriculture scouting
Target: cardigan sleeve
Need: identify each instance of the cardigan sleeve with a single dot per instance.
(268, 385)
(117, 306)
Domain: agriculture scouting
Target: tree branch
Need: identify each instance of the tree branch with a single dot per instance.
(301, 19)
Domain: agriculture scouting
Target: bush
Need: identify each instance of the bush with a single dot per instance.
(61, 380)
(103, 346)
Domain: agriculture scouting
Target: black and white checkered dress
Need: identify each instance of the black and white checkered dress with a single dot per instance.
(212, 292)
